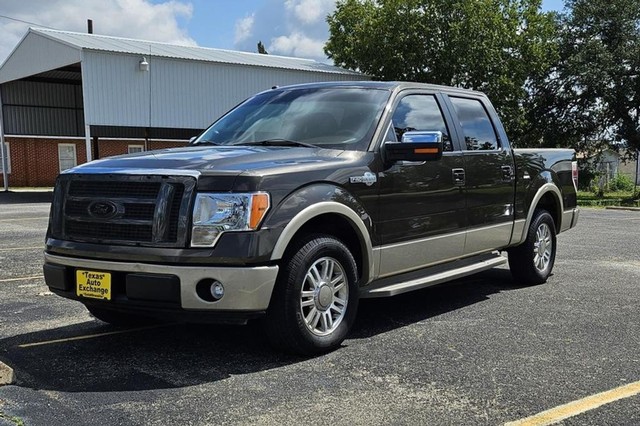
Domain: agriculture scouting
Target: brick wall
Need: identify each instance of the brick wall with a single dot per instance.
(35, 161)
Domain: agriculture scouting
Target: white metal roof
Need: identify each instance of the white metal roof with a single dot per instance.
(95, 42)
(185, 87)
(35, 54)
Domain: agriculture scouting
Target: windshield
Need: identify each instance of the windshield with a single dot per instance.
(340, 118)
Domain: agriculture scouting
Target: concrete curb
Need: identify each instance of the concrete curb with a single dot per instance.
(633, 209)
(6, 374)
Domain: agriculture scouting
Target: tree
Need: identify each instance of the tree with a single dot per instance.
(591, 99)
(261, 48)
(496, 46)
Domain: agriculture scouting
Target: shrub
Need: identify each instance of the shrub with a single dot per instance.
(621, 183)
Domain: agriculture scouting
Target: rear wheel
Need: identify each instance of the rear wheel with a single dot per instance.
(315, 299)
(532, 261)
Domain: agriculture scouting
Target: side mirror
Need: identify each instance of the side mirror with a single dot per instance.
(191, 139)
(415, 146)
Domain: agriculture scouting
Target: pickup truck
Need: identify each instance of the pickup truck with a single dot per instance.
(302, 200)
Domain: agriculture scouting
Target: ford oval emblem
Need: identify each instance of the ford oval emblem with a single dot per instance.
(103, 209)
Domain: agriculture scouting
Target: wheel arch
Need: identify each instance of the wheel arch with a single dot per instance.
(548, 197)
(336, 219)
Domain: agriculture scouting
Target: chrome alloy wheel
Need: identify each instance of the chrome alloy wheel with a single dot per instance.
(542, 247)
(324, 295)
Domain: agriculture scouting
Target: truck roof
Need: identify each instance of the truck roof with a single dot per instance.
(387, 85)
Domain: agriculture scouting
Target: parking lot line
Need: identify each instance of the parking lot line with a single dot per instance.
(24, 218)
(22, 248)
(91, 336)
(6, 280)
(573, 408)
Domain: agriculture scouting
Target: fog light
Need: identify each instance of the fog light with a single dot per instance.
(217, 290)
(210, 290)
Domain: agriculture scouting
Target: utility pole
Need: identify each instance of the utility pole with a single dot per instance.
(3, 151)
(635, 188)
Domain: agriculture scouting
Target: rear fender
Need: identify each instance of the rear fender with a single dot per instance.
(544, 184)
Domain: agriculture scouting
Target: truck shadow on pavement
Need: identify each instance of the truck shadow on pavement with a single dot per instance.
(168, 356)
(26, 197)
(173, 356)
(377, 316)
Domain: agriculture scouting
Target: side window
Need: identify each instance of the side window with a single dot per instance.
(420, 112)
(479, 133)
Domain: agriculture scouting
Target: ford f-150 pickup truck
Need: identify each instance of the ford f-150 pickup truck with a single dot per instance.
(302, 200)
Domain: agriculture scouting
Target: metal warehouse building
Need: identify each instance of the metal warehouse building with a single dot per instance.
(67, 98)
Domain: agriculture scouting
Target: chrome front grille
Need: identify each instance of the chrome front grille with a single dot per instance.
(129, 210)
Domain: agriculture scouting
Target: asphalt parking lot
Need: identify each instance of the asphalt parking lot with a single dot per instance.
(477, 351)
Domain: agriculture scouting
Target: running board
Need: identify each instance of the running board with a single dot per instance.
(416, 280)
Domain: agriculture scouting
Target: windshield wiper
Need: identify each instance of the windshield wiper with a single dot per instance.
(277, 142)
(206, 143)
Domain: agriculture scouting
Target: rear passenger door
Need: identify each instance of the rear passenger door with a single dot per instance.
(489, 174)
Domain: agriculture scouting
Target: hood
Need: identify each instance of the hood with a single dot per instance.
(212, 160)
(201, 161)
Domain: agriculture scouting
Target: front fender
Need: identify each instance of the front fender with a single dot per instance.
(320, 199)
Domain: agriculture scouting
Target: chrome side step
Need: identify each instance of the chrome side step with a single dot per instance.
(392, 286)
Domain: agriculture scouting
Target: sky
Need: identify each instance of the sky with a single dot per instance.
(286, 27)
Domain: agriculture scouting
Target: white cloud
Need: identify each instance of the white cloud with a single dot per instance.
(244, 28)
(298, 45)
(310, 11)
(122, 18)
(290, 28)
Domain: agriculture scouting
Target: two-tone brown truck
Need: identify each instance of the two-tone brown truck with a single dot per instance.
(302, 200)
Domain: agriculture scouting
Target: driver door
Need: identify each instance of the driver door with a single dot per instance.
(422, 204)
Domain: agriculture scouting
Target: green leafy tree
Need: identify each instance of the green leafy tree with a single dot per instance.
(497, 46)
(591, 98)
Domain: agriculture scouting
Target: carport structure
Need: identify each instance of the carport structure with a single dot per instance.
(67, 97)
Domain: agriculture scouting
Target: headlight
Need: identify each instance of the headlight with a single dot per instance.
(214, 214)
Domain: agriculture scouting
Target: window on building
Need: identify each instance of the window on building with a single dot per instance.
(8, 154)
(135, 148)
(67, 156)
(479, 133)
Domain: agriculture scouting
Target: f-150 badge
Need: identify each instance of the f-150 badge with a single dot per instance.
(368, 179)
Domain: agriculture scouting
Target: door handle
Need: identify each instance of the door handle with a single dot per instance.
(458, 177)
(507, 172)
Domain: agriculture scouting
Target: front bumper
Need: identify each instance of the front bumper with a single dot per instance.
(148, 286)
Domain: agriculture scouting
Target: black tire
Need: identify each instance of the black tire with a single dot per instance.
(291, 323)
(119, 318)
(527, 266)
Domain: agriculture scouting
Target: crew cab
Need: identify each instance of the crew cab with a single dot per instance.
(302, 200)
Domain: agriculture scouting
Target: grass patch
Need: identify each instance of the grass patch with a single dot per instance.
(615, 198)
(13, 419)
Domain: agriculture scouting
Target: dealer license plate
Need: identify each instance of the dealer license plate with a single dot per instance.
(93, 284)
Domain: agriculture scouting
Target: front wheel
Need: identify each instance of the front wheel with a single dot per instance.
(315, 299)
(532, 261)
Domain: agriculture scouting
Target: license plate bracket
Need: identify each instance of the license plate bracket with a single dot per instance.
(93, 284)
